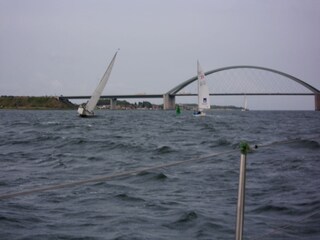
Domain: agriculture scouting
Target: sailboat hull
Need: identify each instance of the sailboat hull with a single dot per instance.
(199, 114)
(84, 113)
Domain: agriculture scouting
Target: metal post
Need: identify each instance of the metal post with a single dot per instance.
(241, 191)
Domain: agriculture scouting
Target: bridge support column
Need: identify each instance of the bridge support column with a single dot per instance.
(169, 102)
(317, 101)
(113, 103)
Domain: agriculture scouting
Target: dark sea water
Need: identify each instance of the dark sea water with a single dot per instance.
(196, 200)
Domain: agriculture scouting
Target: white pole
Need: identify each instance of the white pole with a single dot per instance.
(241, 191)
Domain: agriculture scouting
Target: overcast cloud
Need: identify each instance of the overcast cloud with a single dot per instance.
(62, 47)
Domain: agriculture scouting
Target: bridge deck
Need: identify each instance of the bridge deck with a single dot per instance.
(187, 95)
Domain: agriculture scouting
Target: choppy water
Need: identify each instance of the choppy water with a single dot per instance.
(190, 201)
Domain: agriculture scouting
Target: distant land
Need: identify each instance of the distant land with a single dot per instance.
(37, 103)
(50, 102)
(125, 105)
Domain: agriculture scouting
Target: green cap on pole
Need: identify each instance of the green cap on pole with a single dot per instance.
(244, 147)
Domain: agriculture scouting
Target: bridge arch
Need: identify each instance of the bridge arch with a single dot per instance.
(169, 97)
(176, 89)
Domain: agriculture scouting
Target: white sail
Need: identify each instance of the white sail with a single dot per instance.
(87, 110)
(245, 104)
(97, 93)
(203, 90)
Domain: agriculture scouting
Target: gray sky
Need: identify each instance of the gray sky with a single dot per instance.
(62, 47)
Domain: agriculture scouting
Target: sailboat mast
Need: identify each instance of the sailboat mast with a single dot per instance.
(199, 73)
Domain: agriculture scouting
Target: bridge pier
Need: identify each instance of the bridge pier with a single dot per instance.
(169, 102)
(317, 101)
(113, 103)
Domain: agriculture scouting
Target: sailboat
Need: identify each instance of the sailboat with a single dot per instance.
(86, 110)
(203, 93)
(245, 103)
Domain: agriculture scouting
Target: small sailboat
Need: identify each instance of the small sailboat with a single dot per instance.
(245, 104)
(203, 93)
(86, 110)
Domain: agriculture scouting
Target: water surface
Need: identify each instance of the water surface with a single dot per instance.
(190, 201)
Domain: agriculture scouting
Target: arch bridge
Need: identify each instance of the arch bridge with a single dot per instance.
(169, 97)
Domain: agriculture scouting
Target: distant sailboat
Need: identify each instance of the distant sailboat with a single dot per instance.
(86, 110)
(203, 93)
(245, 104)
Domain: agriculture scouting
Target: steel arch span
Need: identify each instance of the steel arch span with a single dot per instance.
(176, 89)
(169, 97)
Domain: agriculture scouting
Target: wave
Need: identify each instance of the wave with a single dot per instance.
(187, 217)
(164, 150)
(153, 176)
(305, 144)
(273, 208)
(302, 208)
(183, 221)
(127, 198)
